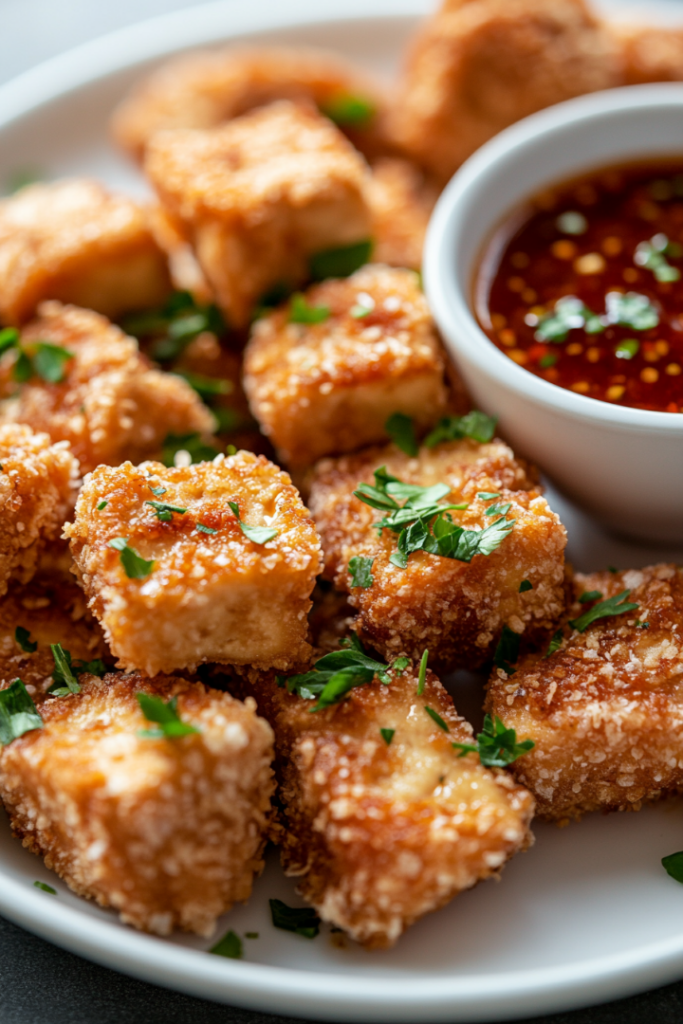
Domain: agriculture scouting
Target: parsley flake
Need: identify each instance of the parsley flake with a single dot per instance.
(616, 605)
(349, 111)
(360, 571)
(207, 387)
(256, 534)
(335, 674)
(475, 425)
(422, 674)
(134, 565)
(488, 495)
(401, 430)
(590, 595)
(300, 920)
(627, 349)
(569, 313)
(555, 643)
(525, 585)
(101, 505)
(63, 675)
(498, 510)
(230, 945)
(340, 262)
(165, 716)
(301, 313)
(507, 651)
(164, 512)
(18, 713)
(174, 325)
(45, 887)
(399, 666)
(496, 745)
(387, 735)
(673, 865)
(631, 310)
(436, 717)
(23, 638)
(205, 529)
(49, 361)
(652, 256)
(9, 338)
(641, 625)
(158, 492)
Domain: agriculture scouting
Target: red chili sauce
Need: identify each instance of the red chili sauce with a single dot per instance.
(588, 293)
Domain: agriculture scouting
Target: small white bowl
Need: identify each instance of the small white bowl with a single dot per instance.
(624, 466)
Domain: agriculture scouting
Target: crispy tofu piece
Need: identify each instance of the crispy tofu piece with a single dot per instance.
(259, 196)
(649, 53)
(209, 87)
(380, 834)
(605, 710)
(183, 267)
(456, 609)
(168, 832)
(401, 201)
(212, 595)
(326, 388)
(37, 493)
(73, 241)
(110, 405)
(479, 65)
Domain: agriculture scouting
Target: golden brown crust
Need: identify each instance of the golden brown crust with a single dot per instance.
(168, 832)
(401, 202)
(604, 711)
(479, 65)
(209, 87)
(455, 609)
(209, 597)
(320, 389)
(111, 405)
(258, 196)
(379, 835)
(72, 240)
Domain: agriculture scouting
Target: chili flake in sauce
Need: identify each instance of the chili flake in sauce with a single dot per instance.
(588, 292)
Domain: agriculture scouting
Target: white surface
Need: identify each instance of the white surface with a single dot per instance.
(587, 914)
(624, 465)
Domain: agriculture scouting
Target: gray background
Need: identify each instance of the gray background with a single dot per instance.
(40, 984)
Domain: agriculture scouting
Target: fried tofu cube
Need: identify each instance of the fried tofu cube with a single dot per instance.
(382, 829)
(73, 241)
(209, 87)
(480, 65)
(37, 493)
(605, 709)
(258, 197)
(196, 588)
(649, 53)
(109, 404)
(401, 201)
(455, 608)
(329, 387)
(169, 832)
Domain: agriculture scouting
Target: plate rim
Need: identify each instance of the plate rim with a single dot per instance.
(313, 994)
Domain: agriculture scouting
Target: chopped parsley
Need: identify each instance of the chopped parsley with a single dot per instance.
(401, 430)
(158, 492)
(340, 262)
(349, 111)
(627, 349)
(498, 510)
(256, 534)
(436, 717)
(49, 361)
(22, 370)
(652, 256)
(631, 310)
(9, 337)
(496, 745)
(616, 605)
(46, 888)
(387, 735)
(422, 673)
(487, 495)
(23, 638)
(205, 529)
(475, 425)
(164, 512)
(102, 505)
(569, 313)
(399, 666)
(18, 713)
(230, 945)
(134, 565)
(590, 595)
(172, 327)
(301, 313)
(525, 585)
(555, 643)
(360, 571)
(193, 444)
(66, 672)
(335, 674)
(300, 920)
(507, 651)
(169, 725)
(548, 360)
(207, 387)
(641, 625)
(673, 865)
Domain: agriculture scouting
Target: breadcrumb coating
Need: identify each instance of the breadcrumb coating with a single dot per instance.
(110, 405)
(401, 202)
(456, 609)
(37, 493)
(213, 596)
(258, 196)
(168, 832)
(380, 834)
(74, 241)
(605, 709)
(209, 87)
(649, 53)
(477, 66)
(325, 388)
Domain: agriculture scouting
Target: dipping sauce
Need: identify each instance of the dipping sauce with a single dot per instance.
(584, 288)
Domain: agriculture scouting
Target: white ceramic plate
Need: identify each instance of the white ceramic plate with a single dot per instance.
(588, 914)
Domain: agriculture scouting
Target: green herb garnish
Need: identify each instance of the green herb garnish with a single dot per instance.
(604, 609)
(134, 565)
(568, 314)
(174, 325)
(18, 713)
(507, 651)
(436, 717)
(360, 571)
(193, 444)
(498, 510)
(158, 492)
(169, 725)
(590, 595)
(476, 425)
(401, 430)
(205, 529)
(548, 360)
(300, 920)
(256, 534)
(673, 865)
(206, 387)
(301, 313)
(335, 674)
(164, 512)
(46, 888)
(349, 111)
(101, 505)
(631, 310)
(22, 371)
(652, 256)
(422, 673)
(496, 745)
(9, 338)
(627, 349)
(387, 735)
(64, 677)
(49, 361)
(23, 638)
(488, 495)
(230, 945)
(340, 262)
(525, 585)
(555, 643)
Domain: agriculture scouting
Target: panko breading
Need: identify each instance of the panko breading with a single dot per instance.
(73, 241)
(456, 609)
(168, 832)
(650, 54)
(325, 388)
(479, 65)
(380, 834)
(209, 87)
(605, 710)
(212, 594)
(37, 493)
(259, 196)
(110, 405)
(401, 202)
